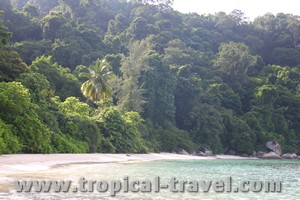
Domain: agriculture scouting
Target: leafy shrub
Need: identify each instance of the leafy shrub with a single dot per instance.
(33, 135)
(66, 144)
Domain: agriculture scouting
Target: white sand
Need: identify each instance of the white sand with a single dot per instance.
(41, 162)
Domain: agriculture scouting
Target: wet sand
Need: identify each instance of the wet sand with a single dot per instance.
(41, 162)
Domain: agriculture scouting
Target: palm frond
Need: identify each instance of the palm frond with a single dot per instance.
(96, 87)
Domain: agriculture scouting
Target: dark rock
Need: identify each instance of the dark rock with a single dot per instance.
(274, 146)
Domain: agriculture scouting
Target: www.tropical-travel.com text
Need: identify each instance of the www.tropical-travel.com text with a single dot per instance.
(147, 186)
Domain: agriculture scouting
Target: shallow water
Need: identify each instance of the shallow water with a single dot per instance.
(288, 172)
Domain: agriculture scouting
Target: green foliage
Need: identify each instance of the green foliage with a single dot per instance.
(130, 90)
(183, 81)
(27, 126)
(42, 95)
(121, 131)
(238, 135)
(267, 94)
(73, 106)
(51, 25)
(9, 143)
(177, 53)
(62, 81)
(4, 34)
(43, 6)
(96, 87)
(31, 10)
(38, 86)
(173, 139)
(227, 97)
(84, 130)
(30, 50)
(234, 61)
(286, 56)
(11, 65)
(159, 84)
(151, 135)
(66, 144)
(206, 127)
(21, 24)
(18, 4)
(77, 125)
(162, 4)
(187, 91)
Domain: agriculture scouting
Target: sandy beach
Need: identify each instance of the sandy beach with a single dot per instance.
(41, 162)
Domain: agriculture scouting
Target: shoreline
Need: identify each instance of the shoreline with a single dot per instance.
(42, 162)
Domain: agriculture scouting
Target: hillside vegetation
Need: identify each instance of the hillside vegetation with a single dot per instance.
(136, 76)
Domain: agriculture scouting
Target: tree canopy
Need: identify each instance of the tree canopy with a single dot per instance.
(137, 76)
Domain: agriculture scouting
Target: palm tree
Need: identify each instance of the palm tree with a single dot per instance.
(96, 87)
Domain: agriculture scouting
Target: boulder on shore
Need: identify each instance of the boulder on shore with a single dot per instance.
(274, 146)
(206, 152)
(289, 156)
(200, 153)
(183, 152)
(270, 155)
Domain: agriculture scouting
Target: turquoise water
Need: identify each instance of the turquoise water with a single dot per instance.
(288, 172)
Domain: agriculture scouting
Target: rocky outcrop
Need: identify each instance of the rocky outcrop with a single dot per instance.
(270, 155)
(259, 154)
(183, 152)
(205, 152)
(208, 152)
(274, 146)
(289, 156)
(200, 153)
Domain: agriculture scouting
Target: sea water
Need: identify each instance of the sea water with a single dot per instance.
(288, 172)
